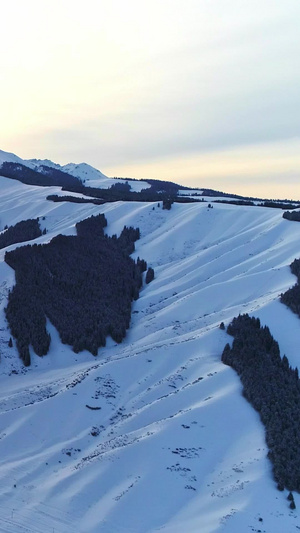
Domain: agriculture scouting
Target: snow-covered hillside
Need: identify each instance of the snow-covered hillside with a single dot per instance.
(173, 446)
(92, 177)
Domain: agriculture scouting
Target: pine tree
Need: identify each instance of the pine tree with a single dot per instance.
(149, 275)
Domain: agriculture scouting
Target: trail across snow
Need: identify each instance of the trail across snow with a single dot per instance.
(173, 445)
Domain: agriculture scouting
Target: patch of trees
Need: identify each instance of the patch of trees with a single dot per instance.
(161, 186)
(115, 194)
(26, 230)
(146, 195)
(294, 215)
(278, 205)
(272, 387)
(158, 185)
(141, 263)
(149, 275)
(266, 203)
(167, 203)
(44, 176)
(121, 187)
(83, 284)
(235, 202)
(127, 238)
(186, 200)
(291, 297)
(74, 199)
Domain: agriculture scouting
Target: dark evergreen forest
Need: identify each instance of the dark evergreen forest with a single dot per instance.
(280, 205)
(291, 297)
(266, 203)
(84, 284)
(26, 230)
(74, 199)
(273, 389)
(45, 176)
(294, 215)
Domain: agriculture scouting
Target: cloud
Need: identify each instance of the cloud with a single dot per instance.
(131, 84)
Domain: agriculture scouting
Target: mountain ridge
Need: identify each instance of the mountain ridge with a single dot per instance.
(93, 178)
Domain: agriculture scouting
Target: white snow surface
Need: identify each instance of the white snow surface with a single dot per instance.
(179, 449)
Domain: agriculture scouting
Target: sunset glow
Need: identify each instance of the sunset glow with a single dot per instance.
(204, 93)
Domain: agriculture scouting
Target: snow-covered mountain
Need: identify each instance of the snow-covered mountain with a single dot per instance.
(92, 177)
(174, 447)
(9, 158)
(88, 175)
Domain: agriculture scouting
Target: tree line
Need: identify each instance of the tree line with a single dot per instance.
(272, 387)
(26, 230)
(292, 215)
(74, 199)
(291, 297)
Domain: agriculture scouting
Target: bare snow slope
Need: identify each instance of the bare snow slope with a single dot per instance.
(174, 446)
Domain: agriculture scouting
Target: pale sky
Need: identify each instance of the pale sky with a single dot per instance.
(202, 92)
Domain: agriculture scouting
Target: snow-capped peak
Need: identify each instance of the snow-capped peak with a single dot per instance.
(9, 158)
(36, 163)
(83, 171)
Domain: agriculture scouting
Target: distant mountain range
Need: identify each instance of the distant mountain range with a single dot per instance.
(85, 179)
(44, 172)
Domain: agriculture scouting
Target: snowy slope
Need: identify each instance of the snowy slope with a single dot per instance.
(176, 447)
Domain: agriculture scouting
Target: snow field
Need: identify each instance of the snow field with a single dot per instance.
(175, 447)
